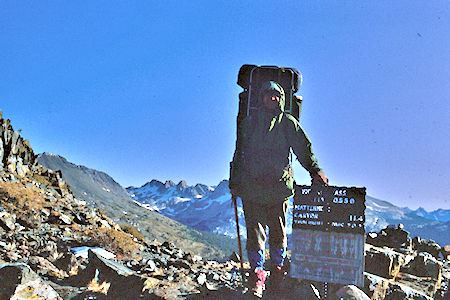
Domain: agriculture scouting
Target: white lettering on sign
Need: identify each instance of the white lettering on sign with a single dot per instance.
(306, 215)
(340, 193)
(300, 222)
(342, 200)
(315, 222)
(319, 199)
(306, 191)
(356, 218)
(336, 224)
(308, 207)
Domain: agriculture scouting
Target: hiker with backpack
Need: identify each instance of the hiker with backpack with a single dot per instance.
(261, 175)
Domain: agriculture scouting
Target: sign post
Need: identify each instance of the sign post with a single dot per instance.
(328, 235)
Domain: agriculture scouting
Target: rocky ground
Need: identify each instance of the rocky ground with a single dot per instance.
(39, 259)
(39, 227)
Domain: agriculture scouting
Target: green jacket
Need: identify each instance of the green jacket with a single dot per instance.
(260, 168)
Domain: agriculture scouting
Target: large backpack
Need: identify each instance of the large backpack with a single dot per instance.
(251, 77)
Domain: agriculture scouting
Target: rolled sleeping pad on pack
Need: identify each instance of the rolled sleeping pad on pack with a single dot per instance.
(275, 73)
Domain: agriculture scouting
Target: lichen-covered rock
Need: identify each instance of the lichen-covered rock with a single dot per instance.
(7, 221)
(18, 281)
(123, 282)
(44, 267)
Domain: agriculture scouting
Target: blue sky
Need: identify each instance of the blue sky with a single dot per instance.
(147, 89)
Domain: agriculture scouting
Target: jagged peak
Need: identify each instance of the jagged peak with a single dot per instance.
(182, 184)
(421, 209)
(222, 187)
(49, 154)
(169, 183)
(153, 182)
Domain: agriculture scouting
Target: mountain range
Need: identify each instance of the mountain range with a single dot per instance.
(209, 208)
(438, 214)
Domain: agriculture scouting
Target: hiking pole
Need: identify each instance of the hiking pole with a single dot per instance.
(234, 198)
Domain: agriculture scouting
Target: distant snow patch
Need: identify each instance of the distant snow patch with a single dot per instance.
(147, 206)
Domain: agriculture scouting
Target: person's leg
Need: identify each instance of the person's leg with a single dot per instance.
(276, 221)
(255, 221)
(277, 242)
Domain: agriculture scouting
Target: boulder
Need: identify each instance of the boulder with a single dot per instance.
(400, 291)
(45, 267)
(122, 282)
(446, 252)
(375, 286)
(378, 288)
(20, 282)
(383, 262)
(428, 246)
(68, 263)
(425, 285)
(392, 236)
(7, 221)
(424, 265)
(351, 292)
(15, 143)
(397, 237)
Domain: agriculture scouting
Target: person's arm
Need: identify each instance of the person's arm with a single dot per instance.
(302, 147)
(235, 166)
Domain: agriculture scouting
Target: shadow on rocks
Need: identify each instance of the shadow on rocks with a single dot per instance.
(291, 289)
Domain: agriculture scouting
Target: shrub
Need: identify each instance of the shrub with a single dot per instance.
(133, 231)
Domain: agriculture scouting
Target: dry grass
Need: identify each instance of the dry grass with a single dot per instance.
(18, 196)
(26, 201)
(42, 179)
(115, 241)
(133, 231)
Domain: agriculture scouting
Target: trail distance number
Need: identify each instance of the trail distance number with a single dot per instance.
(342, 200)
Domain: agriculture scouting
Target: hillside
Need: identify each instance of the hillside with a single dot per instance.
(99, 190)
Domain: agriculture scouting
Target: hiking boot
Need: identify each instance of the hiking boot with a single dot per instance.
(256, 283)
(277, 274)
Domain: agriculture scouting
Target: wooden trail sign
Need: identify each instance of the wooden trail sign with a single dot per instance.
(328, 234)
